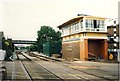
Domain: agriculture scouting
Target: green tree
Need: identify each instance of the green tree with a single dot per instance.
(45, 34)
(8, 50)
(33, 48)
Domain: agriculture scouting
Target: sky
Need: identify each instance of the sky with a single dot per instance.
(21, 19)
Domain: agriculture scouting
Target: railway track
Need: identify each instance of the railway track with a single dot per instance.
(47, 69)
(45, 58)
(78, 78)
(109, 78)
(34, 71)
(56, 77)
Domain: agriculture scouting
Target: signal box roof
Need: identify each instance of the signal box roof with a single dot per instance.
(79, 18)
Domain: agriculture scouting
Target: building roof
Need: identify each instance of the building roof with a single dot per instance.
(77, 19)
(70, 21)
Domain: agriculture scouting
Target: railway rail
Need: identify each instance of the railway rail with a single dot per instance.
(44, 68)
(109, 78)
(39, 72)
(78, 78)
(45, 58)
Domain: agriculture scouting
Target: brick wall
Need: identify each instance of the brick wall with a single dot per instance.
(71, 50)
